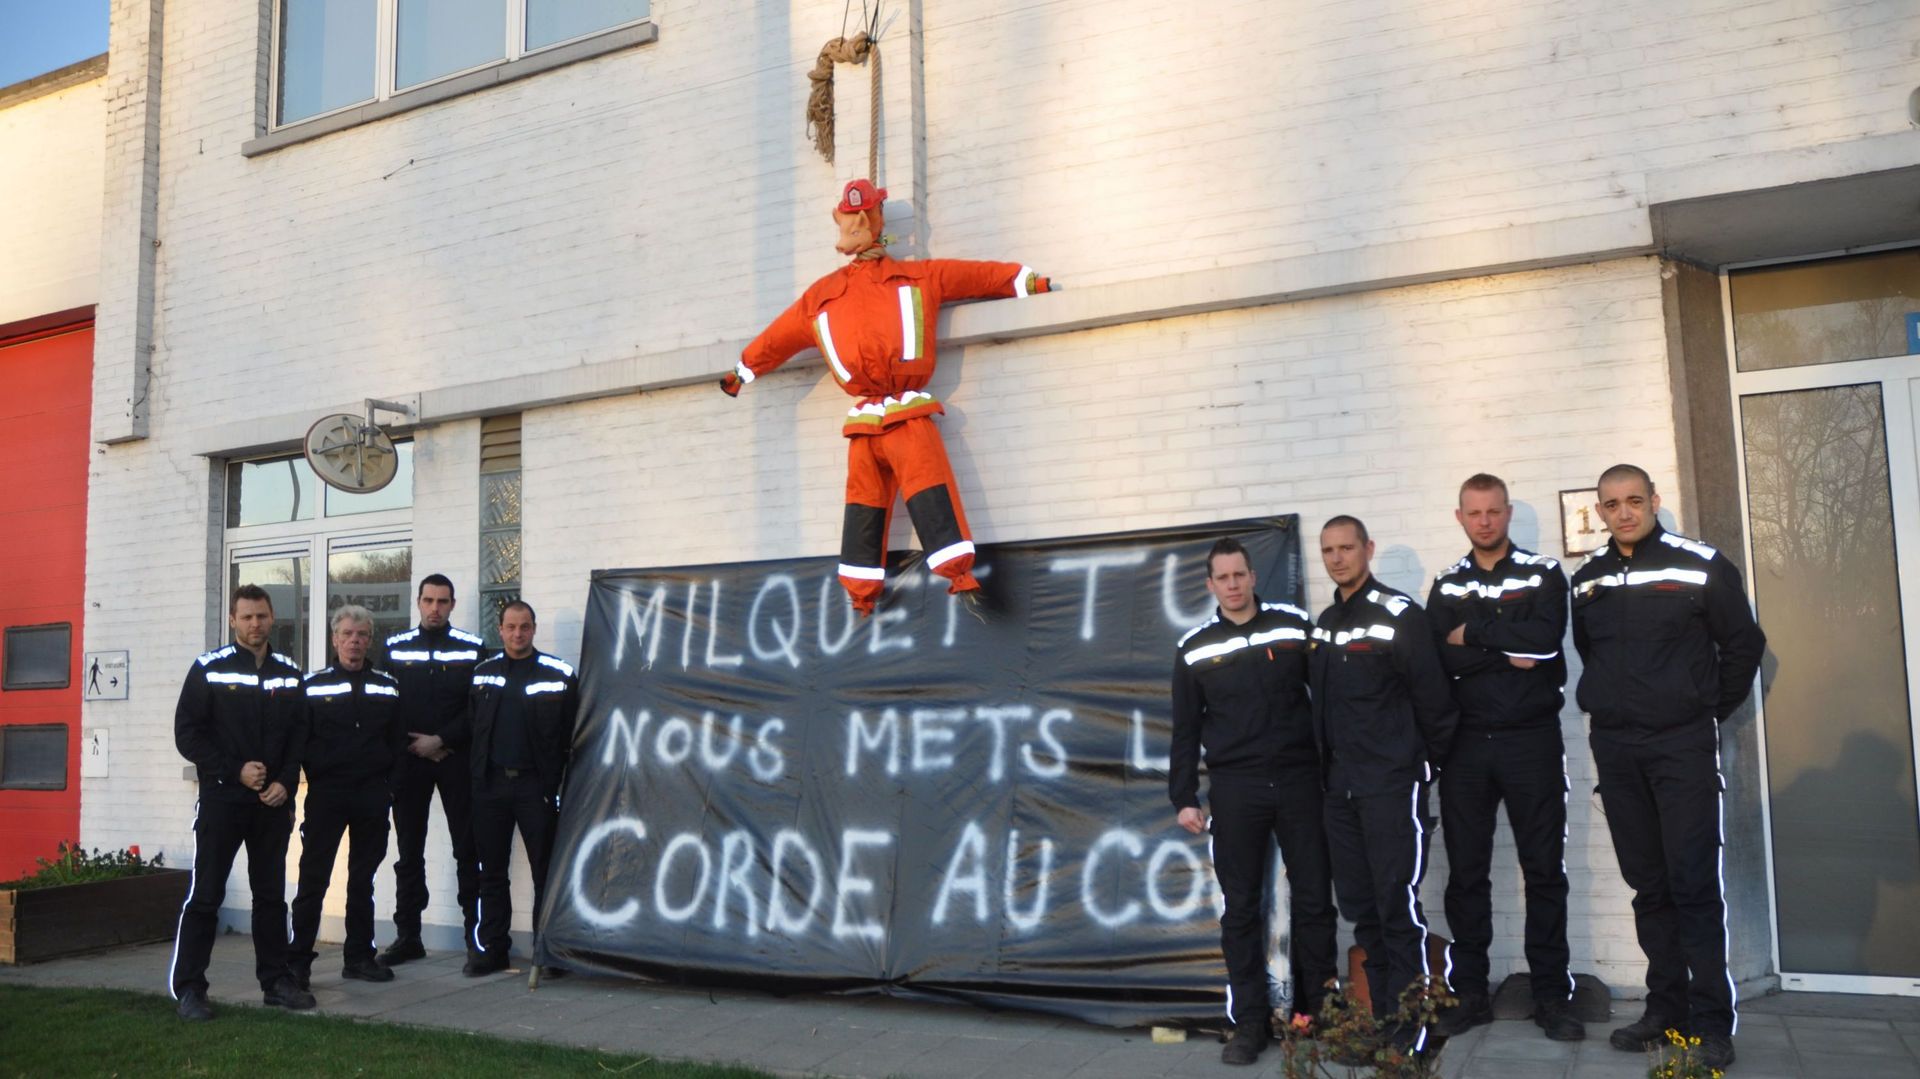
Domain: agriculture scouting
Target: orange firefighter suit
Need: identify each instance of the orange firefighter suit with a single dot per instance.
(873, 321)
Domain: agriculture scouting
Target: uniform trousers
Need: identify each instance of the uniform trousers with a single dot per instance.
(1663, 797)
(1527, 770)
(1249, 815)
(1378, 847)
(906, 459)
(412, 800)
(220, 829)
(502, 803)
(361, 814)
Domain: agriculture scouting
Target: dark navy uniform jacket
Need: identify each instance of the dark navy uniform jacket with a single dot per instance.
(1666, 636)
(1382, 705)
(1516, 609)
(231, 712)
(1240, 699)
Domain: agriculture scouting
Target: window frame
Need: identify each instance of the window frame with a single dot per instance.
(66, 756)
(386, 58)
(6, 659)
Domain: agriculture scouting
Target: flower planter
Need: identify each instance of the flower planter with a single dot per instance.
(43, 923)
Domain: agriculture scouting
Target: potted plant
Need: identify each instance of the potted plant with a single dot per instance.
(80, 901)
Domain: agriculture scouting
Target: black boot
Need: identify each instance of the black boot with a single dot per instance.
(1647, 1032)
(481, 964)
(1473, 1010)
(193, 1006)
(286, 993)
(1248, 1042)
(366, 970)
(1560, 1024)
(1715, 1050)
(402, 950)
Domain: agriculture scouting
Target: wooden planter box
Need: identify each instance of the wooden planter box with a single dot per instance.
(42, 923)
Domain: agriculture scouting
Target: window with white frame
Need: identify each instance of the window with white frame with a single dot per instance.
(330, 55)
(314, 549)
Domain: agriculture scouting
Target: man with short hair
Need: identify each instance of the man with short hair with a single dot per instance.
(516, 742)
(236, 721)
(356, 746)
(1240, 701)
(1499, 615)
(1384, 716)
(433, 663)
(1670, 648)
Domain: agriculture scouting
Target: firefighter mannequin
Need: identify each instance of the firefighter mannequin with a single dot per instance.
(873, 320)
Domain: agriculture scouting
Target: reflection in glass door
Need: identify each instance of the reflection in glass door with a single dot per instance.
(284, 570)
(1839, 729)
(375, 572)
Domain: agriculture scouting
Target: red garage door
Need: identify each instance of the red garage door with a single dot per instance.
(45, 406)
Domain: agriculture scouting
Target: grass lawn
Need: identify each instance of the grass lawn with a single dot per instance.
(113, 1032)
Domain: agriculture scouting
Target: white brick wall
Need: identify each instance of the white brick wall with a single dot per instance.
(50, 185)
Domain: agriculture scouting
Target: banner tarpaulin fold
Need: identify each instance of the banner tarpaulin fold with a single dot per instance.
(943, 799)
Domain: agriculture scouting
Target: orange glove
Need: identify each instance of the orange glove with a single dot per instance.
(730, 384)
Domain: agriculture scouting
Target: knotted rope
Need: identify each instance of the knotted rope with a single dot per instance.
(858, 49)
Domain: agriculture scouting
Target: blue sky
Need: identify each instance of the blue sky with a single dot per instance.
(37, 36)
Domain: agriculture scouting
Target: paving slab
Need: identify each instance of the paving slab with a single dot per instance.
(1783, 1036)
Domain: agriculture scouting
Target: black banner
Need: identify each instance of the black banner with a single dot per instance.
(948, 798)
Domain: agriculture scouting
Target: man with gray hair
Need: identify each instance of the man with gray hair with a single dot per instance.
(356, 745)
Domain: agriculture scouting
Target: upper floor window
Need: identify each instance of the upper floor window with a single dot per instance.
(334, 54)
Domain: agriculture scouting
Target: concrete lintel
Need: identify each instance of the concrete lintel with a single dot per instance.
(1781, 168)
(1509, 250)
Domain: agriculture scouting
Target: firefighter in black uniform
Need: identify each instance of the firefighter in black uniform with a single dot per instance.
(238, 722)
(517, 745)
(1500, 614)
(1383, 713)
(434, 665)
(1669, 647)
(1240, 699)
(356, 745)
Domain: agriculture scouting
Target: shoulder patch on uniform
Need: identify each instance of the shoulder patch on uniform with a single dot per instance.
(288, 660)
(1457, 567)
(1395, 605)
(463, 635)
(1528, 558)
(207, 658)
(321, 673)
(496, 658)
(1189, 635)
(556, 663)
(1691, 546)
(403, 635)
(383, 674)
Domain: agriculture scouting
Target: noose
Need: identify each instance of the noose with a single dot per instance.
(860, 48)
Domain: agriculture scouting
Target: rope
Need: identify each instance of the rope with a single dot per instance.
(873, 113)
(841, 50)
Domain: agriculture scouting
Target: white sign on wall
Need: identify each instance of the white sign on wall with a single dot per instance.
(1580, 523)
(93, 753)
(103, 676)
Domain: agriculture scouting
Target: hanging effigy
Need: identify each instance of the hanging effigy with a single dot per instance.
(873, 319)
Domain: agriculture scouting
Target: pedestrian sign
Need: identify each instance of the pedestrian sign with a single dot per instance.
(103, 676)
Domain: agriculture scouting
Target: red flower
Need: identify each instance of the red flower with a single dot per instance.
(134, 850)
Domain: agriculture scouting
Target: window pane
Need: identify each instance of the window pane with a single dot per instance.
(394, 496)
(38, 657)
(440, 37)
(326, 56)
(379, 579)
(1857, 308)
(287, 581)
(269, 492)
(499, 500)
(33, 758)
(1839, 736)
(549, 21)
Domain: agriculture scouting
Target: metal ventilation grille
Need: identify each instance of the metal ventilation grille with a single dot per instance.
(500, 443)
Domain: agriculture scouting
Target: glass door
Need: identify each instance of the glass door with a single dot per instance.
(1830, 458)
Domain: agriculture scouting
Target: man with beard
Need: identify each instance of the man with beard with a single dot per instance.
(1669, 647)
(433, 663)
(1499, 615)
